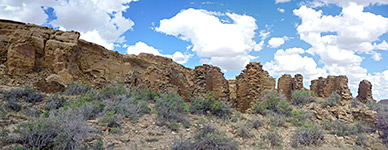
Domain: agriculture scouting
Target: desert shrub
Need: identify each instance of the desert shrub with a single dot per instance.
(174, 126)
(342, 128)
(128, 107)
(89, 110)
(65, 129)
(362, 140)
(209, 105)
(109, 119)
(207, 138)
(272, 101)
(110, 91)
(77, 89)
(300, 117)
(170, 108)
(237, 116)
(55, 102)
(276, 119)
(256, 123)
(12, 103)
(150, 96)
(26, 93)
(308, 134)
(302, 97)
(243, 130)
(273, 138)
(332, 100)
(382, 124)
(374, 106)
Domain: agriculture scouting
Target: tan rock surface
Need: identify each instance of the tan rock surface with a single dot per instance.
(365, 91)
(210, 78)
(324, 87)
(250, 83)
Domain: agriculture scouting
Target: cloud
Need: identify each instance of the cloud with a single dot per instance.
(214, 39)
(281, 10)
(344, 3)
(281, 1)
(291, 61)
(382, 46)
(30, 11)
(275, 42)
(141, 47)
(338, 39)
(99, 21)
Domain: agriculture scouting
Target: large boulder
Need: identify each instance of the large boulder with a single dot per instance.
(365, 91)
(250, 83)
(324, 87)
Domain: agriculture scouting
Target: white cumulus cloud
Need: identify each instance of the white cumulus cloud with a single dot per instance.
(275, 42)
(211, 38)
(281, 10)
(141, 47)
(281, 1)
(338, 40)
(344, 3)
(292, 62)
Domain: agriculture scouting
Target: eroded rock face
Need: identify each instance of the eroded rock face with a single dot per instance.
(210, 78)
(365, 91)
(250, 83)
(324, 87)
(30, 53)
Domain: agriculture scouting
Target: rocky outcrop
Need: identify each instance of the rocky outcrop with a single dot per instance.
(287, 84)
(324, 87)
(250, 83)
(210, 78)
(365, 91)
(30, 53)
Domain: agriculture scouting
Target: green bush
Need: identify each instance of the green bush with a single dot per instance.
(110, 91)
(382, 123)
(77, 89)
(26, 93)
(273, 138)
(170, 108)
(207, 138)
(300, 117)
(302, 97)
(308, 134)
(128, 107)
(210, 105)
(332, 100)
(55, 102)
(272, 101)
(362, 140)
(341, 128)
(276, 119)
(64, 129)
(243, 130)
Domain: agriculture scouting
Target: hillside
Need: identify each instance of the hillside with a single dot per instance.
(61, 92)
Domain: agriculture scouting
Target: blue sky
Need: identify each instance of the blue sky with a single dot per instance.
(311, 37)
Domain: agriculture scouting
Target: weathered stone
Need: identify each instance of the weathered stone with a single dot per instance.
(208, 78)
(324, 87)
(287, 84)
(365, 91)
(21, 57)
(250, 83)
(49, 87)
(232, 91)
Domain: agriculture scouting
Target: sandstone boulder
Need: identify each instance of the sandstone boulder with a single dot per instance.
(324, 87)
(365, 91)
(250, 83)
(287, 84)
